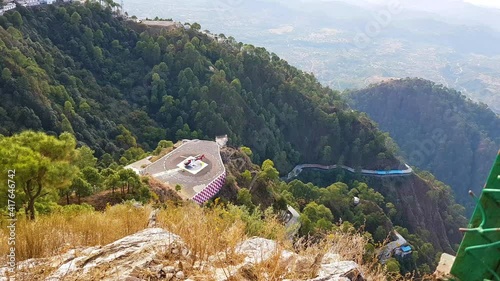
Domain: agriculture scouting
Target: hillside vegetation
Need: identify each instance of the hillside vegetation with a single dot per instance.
(117, 85)
(438, 129)
(195, 227)
(100, 87)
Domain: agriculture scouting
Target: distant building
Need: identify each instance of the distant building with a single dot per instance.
(399, 249)
(9, 6)
(403, 252)
(29, 3)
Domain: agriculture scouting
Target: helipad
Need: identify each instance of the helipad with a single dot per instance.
(201, 179)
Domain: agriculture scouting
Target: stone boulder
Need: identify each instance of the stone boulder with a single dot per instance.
(156, 254)
(329, 267)
(122, 257)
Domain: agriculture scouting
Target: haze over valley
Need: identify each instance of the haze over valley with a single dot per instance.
(352, 44)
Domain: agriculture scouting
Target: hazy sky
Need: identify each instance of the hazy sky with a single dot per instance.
(486, 3)
(489, 3)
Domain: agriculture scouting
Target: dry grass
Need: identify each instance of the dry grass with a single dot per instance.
(207, 232)
(216, 232)
(211, 235)
(58, 232)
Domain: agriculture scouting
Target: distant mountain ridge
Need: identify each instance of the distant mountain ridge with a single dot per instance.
(438, 129)
(454, 45)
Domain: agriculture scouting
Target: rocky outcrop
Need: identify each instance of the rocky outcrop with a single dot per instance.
(156, 254)
(122, 257)
(256, 250)
(420, 212)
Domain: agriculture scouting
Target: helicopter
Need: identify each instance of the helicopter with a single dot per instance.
(191, 161)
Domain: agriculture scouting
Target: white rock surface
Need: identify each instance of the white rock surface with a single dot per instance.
(256, 249)
(131, 256)
(338, 270)
(179, 275)
(120, 257)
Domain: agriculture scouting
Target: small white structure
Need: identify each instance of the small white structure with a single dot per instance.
(356, 201)
(221, 140)
(9, 6)
(29, 3)
(139, 166)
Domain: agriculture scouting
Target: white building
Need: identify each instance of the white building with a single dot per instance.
(29, 3)
(9, 6)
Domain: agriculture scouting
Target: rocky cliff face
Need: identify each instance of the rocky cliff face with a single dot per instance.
(156, 254)
(424, 209)
(438, 129)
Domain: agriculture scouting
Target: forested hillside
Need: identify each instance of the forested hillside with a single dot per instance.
(123, 88)
(78, 69)
(437, 129)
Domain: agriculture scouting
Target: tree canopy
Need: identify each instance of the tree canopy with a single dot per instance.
(42, 165)
(117, 86)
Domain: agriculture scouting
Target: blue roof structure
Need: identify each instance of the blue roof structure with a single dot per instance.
(406, 248)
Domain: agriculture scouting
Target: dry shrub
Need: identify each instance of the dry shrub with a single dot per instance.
(205, 231)
(53, 234)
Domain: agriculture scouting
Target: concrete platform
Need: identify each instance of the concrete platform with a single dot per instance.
(167, 169)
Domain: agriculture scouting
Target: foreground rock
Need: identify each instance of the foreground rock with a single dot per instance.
(443, 270)
(156, 254)
(255, 251)
(121, 258)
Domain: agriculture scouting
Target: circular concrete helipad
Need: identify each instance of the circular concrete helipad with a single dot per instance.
(172, 170)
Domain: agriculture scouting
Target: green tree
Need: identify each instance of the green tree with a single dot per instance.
(245, 198)
(106, 160)
(315, 212)
(81, 188)
(92, 176)
(162, 145)
(66, 125)
(85, 157)
(247, 177)
(380, 234)
(246, 150)
(41, 163)
(17, 19)
(75, 18)
(6, 74)
(317, 218)
(392, 266)
(112, 182)
(134, 154)
(126, 139)
(128, 179)
(196, 26)
(268, 170)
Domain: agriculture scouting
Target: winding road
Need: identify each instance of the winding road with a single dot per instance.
(380, 173)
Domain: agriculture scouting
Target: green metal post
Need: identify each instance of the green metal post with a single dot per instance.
(478, 257)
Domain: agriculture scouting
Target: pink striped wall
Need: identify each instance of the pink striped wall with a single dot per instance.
(210, 190)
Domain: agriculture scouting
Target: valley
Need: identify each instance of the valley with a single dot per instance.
(104, 116)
